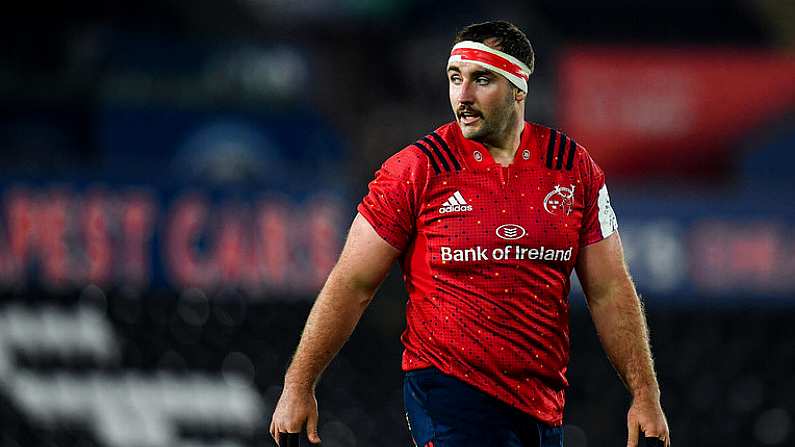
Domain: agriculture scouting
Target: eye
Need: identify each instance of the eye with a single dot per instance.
(482, 80)
(455, 78)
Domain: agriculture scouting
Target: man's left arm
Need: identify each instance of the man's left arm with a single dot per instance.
(618, 316)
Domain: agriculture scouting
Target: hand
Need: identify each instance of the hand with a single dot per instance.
(296, 408)
(646, 416)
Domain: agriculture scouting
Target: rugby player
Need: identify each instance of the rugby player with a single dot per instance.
(488, 216)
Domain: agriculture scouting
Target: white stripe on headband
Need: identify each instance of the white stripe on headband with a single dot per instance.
(516, 71)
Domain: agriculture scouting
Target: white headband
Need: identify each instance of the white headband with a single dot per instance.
(514, 70)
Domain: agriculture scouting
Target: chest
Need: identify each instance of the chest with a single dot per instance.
(525, 212)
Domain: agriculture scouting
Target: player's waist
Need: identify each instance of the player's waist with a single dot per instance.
(466, 346)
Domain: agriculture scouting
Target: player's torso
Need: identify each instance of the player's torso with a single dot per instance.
(508, 227)
(511, 219)
(488, 268)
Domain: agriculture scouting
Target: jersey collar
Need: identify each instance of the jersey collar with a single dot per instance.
(477, 156)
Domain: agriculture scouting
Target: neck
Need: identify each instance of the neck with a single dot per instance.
(504, 145)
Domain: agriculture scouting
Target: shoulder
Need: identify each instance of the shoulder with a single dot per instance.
(408, 158)
(428, 154)
(562, 152)
(448, 133)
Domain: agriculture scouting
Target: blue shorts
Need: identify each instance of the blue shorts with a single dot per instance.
(444, 412)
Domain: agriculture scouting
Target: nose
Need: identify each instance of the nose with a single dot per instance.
(466, 93)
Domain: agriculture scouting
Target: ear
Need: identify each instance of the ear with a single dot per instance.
(519, 95)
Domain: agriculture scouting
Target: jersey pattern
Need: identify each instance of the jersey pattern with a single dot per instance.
(487, 252)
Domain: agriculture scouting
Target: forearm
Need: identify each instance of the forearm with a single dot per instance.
(618, 316)
(333, 317)
(621, 325)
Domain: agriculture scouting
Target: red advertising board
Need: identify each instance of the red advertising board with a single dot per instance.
(61, 237)
(647, 111)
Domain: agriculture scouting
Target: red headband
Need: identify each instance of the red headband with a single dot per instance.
(516, 71)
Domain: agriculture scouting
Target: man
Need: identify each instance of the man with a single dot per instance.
(488, 215)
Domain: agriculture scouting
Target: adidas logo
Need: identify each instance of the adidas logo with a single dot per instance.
(455, 203)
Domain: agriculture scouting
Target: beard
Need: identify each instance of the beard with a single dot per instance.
(488, 125)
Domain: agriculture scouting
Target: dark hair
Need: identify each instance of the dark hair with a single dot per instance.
(510, 39)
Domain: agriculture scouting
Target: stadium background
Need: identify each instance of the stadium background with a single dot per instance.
(177, 178)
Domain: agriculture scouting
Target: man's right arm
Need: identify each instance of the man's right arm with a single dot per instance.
(364, 263)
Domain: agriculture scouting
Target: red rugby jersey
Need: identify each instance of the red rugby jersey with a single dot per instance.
(487, 253)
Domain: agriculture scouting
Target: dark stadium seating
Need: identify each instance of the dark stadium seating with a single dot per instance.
(724, 373)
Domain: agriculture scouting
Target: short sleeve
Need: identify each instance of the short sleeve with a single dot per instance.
(599, 219)
(393, 197)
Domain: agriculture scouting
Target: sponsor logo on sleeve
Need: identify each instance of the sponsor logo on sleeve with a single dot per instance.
(607, 217)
